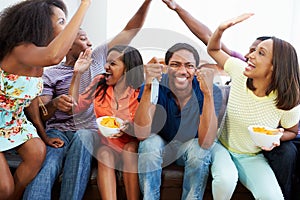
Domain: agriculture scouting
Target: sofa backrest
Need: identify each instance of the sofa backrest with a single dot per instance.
(221, 93)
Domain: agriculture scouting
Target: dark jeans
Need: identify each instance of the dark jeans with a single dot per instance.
(282, 160)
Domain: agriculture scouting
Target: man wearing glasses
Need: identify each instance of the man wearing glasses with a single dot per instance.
(181, 127)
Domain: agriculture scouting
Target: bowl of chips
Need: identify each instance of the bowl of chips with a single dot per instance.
(264, 136)
(109, 125)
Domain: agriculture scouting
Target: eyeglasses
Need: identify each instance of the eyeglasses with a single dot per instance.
(177, 65)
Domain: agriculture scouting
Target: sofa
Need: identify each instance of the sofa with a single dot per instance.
(172, 176)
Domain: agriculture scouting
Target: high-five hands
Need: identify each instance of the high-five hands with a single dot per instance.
(227, 24)
(171, 4)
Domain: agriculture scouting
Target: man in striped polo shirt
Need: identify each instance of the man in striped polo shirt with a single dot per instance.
(70, 138)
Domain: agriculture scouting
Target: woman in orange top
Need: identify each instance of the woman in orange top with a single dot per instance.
(114, 94)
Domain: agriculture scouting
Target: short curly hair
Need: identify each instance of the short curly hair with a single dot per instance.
(27, 22)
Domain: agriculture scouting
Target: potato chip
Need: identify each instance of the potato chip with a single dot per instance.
(264, 130)
(110, 122)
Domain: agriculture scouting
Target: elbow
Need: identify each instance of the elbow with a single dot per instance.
(210, 51)
(55, 59)
(205, 144)
(207, 139)
(141, 138)
(213, 49)
(142, 135)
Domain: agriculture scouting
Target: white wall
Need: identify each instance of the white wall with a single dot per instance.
(94, 22)
(295, 27)
(272, 17)
(106, 18)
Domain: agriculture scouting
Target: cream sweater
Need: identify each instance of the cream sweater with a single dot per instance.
(245, 108)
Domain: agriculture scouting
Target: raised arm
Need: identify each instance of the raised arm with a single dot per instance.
(57, 49)
(82, 64)
(214, 43)
(133, 26)
(199, 29)
(207, 129)
(144, 115)
(145, 111)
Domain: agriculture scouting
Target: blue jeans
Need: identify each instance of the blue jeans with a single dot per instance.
(154, 152)
(73, 160)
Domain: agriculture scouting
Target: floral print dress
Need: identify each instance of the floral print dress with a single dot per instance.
(16, 93)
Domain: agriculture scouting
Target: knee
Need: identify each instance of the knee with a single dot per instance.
(224, 175)
(224, 179)
(105, 155)
(196, 154)
(153, 143)
(36, 152)
(40, 152)
(131, 147)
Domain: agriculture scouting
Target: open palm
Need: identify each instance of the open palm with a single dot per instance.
(84, 61)
(227, 24)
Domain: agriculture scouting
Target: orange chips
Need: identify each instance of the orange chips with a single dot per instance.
(264, 130)
(110, 122)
